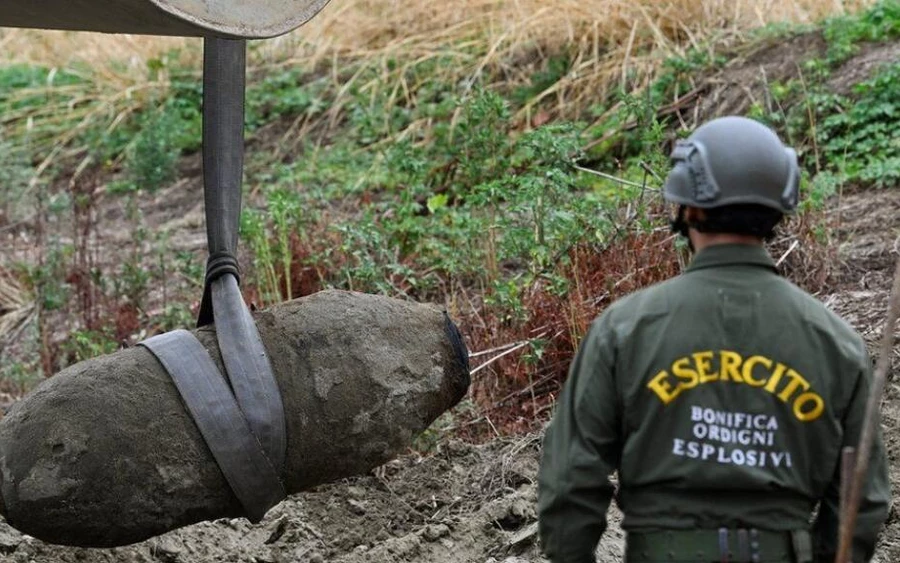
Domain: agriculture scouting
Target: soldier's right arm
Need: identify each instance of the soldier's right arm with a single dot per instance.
(581, 450)
(875, 499)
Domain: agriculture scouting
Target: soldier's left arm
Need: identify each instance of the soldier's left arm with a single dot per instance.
(875, 501)
(581, 449)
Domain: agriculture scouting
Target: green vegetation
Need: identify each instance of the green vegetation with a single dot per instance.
(858, 139)
(428, 205)
(846, 138)
(845, 34)
(400, 176)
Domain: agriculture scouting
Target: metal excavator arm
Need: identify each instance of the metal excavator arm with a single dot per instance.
(236, 19)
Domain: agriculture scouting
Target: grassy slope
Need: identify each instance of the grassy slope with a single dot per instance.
(448, 155)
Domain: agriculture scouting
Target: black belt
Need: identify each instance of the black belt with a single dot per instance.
(242, 423)
(742, 545)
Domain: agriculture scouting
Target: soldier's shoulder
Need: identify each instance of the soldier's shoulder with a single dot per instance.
(649, 301)
(822, 317)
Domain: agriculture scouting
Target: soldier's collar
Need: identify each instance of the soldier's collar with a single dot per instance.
(732, 254)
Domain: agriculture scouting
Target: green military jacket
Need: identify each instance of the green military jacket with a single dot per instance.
(722, 397)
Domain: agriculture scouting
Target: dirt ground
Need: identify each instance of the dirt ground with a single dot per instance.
(476, 503)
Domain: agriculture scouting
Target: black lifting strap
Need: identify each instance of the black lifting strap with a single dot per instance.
(245, 430)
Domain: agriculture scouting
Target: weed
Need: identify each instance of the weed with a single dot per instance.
(83, 345)
(18, 377)
(861, 135)
(283, 94)
(849, 138)
(48, 279)
(151, 159)
(476, 198)
(845, 33)
(15, 172)
(256, 234)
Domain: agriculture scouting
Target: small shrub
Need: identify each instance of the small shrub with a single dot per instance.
(83, 345)
(860, 138)
(152, 158)
(845, 33)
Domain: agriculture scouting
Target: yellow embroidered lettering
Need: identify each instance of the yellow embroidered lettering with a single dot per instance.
(681, 369)
(729, 366)
(757, 371)
(701, 361)
(808, 414)
(796, 381)
(776, 377)
(663, 388)
(748, 370)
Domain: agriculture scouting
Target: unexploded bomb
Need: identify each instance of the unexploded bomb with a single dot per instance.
(105, 454)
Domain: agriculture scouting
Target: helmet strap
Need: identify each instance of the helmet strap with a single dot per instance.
(680, 225)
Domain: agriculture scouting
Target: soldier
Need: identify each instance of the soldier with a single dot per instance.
(722, 398)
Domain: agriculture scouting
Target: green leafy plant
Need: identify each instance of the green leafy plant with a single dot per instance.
(861, 135)
(845, 33)
(20, 376)
(269, 235)
(84, 344)
(152, 158)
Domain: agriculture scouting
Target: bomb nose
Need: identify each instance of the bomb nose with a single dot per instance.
(460, 378)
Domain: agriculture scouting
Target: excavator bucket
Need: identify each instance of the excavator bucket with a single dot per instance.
(235, 19)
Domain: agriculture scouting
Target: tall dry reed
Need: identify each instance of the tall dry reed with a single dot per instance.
(607, 40)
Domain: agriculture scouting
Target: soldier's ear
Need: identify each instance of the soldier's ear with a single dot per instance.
(693, 215)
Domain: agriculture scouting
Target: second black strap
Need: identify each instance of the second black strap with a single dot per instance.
(237, 451)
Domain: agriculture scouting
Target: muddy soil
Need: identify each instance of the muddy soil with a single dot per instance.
(476, 503)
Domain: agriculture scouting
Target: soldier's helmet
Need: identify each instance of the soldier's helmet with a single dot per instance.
(733, 160)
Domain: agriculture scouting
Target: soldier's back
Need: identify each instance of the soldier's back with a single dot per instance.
(733, 383)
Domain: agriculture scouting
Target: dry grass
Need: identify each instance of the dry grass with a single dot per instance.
(17, 306)
(368, 45)
(608, 40)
